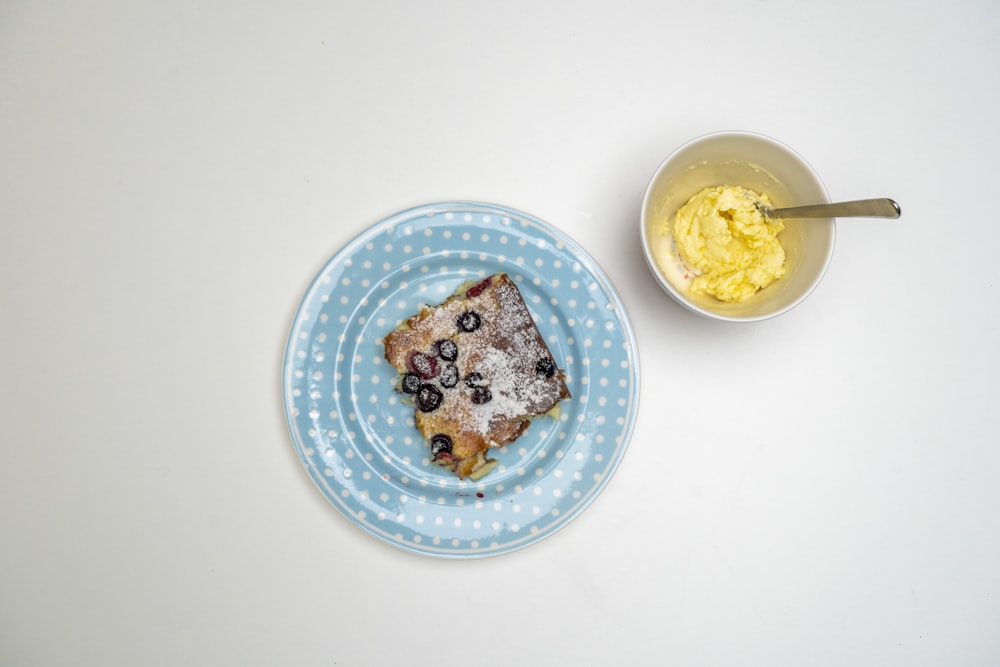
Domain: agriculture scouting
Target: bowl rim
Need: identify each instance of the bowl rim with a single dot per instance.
(670, 288)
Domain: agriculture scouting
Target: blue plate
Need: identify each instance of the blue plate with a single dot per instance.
(357, 438)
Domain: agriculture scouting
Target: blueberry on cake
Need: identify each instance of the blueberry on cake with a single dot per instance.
(477, 371)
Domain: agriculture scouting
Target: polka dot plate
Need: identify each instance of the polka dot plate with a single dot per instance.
(355, 434)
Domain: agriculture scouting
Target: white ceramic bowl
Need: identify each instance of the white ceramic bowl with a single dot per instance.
(761, 164)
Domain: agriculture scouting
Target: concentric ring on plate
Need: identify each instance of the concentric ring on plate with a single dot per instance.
(356, 436)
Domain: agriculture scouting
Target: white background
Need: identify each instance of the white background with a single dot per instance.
(818, 489)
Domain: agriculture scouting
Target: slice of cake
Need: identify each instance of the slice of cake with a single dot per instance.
(478, 371)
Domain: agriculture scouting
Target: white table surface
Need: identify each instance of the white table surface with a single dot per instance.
(818, 489)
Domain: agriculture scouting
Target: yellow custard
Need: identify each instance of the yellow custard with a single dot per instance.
(730, 247)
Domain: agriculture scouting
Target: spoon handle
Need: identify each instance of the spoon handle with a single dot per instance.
(862, 208)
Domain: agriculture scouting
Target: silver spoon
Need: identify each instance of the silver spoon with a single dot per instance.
(862, 208)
